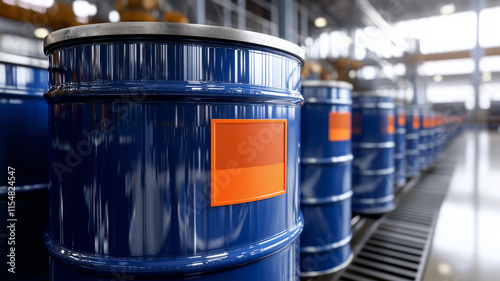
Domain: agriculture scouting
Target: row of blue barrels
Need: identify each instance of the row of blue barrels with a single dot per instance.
(427, 133)
(392, 142)
(326, 171)
(432, 138)
(24, 166)
(175, 155)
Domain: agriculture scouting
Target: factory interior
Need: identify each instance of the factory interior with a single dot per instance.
(311, 140)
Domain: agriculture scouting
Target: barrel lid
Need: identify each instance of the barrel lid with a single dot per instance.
(168, 29)
(327, 83)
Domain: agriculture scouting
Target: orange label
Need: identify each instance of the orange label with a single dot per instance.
(401, 119)
(356, 124)
(339, 126)
(390, 124)
(416, 122)
(248, 160)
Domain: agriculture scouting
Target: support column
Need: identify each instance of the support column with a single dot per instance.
(285, 10)
(476, 54)
(200, 12)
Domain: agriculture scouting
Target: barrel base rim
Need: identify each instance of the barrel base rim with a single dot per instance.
(401, 182)
(188, 265)
(328, 271)
(22, 189)
(327, 248)
(374, 211)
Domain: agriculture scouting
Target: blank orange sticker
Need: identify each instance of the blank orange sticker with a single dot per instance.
(426, 122)
(356, 124)
(339, 126)
(416, 122)
(390, 124)
(402, 119)
(248, 160)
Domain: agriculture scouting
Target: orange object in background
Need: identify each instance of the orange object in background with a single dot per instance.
(136, 15)
(416, 122)
(143, 4)
(136, 10)
(391, 125)
(339, 124)
(248, 160)
(175, 17)
(402, 119)
(58, 16)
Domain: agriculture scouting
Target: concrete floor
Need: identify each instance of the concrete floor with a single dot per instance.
(466, 244)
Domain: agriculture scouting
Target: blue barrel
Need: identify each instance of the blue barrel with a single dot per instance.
(424, 140)
(439, 131)
(373, 131)
(326, 166)
(174, 153)
(400, 146)
(432, 140)
(23, 148)
(412, 141)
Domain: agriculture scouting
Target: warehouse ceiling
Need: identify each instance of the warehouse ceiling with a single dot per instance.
(346, 13)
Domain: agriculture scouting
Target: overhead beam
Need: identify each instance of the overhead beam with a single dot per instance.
(371, 14)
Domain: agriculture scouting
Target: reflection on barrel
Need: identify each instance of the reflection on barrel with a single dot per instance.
(173, 158)
(23, 147)
(326, 164)
(373, 151)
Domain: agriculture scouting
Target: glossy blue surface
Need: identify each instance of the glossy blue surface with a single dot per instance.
(412, 143)
(373, 150)
(130, 155)
(23, 146)
(325, 183)
(400, 148)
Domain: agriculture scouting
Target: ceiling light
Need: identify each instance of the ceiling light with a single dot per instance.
(41, 32)
(447, 9)
(486, 76)
(320, 22)
(80, 8)
(114, 16)
(437, 78)
(352, 74)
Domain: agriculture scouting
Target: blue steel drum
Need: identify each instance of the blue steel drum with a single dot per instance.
(424, 140)
(326, 166)
(373, 151)
(432, 140)
(440, 137)
(412, 141)
(23, 147)
(400, 146)
(174, 151)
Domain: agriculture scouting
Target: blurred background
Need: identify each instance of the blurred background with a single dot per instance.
(442, 53)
